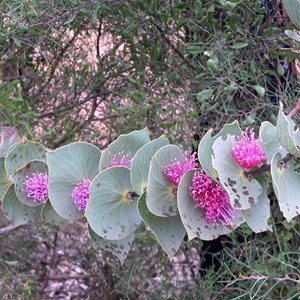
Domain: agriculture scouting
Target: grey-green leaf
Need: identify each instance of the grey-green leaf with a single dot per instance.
(20, 177)
(49, 215)
(161, 192)
(22, 153)
(193, 219)
(141, 163)
(286, 183)
(126, 143)
(69, 166)
(5, 182)
(112, 210)
(17, 212)
(243, 192)
(169, 232)
(119, 248)
(292, 7)
(205, 151)
(8, 136)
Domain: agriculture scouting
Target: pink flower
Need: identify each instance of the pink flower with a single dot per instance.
(211, 196)
(175, 171)
(248, 151)
(120, 160)
(81, 194)
(36, 187)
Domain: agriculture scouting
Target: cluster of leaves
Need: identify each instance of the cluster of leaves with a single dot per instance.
(121, 197)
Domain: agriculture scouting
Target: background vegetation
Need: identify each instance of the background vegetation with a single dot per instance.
(91, 70)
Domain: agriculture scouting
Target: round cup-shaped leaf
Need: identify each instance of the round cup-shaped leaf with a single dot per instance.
(112, 209)
(126, 143)
(119, 248)
(22, 153)
(205, 151)
(68, 166)
(258, 215)
(169, 232)
(49, 215)
(141, 163)
(5, 182)
(268, 134)
(17, 212)
(161, 192)
(242, 191)
(286, 183)
(8, 136)
(193, 219)
(20, 177)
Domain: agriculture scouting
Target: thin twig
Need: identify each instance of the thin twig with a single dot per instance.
(295, 110)
(7, 229)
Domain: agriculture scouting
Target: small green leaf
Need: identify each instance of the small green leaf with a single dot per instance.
(161, 192)
(286, 184)
(169, 232)
(112, 210)
(119, 248)
(205, 95)
(259, 90)
(193, 219)
(141, 164)
(69, 166)
(126, 143)
(293, 35)
(22, 153)
(239, 45)
(242, 191)
(17, 212)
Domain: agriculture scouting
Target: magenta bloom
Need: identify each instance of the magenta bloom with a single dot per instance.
(175, 171)
(81, 194)
(211, 196)
(120, 160)
(36, 187)
(248, 151)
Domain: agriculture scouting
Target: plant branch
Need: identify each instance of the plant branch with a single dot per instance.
(295, 110)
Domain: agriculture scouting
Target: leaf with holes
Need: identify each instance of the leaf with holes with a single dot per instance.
(205, 151)
(8, 137)
(17, 212)
(112, 208)
(193, 219)
(69, 166)
(50, 216)
(169, 232)
(5, 182)
(268, 135)
(285, 127)
(127, 144)
(286, 183)
(141, 163)
(119, 248)
(161, 192)
(23, 153)
(258, 215)
(242, 191)
(19, 178)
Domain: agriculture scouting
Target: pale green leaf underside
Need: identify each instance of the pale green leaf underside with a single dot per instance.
(21, 154)
(126, 143)
(161, 198)
(68, 166)
(109, 212)
(8, 136)
(169, 232)
(258, 215)
(193, 219)
(141, 164)
(20, 177)
(119, 248)
(242, 191)
(205, 151)
(17, 212)
(286, 183)
(5, 182)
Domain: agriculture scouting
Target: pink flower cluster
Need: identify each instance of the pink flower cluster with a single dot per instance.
(36, 187)
(81, 194)
(210, 196)
(248, 151)
(175, 171)
(120, 160)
